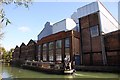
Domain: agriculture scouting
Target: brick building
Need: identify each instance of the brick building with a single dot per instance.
(31, 50)
(89, 38)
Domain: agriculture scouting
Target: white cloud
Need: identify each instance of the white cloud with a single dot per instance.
(24, 29)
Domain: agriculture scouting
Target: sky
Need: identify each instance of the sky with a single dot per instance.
(27, 23)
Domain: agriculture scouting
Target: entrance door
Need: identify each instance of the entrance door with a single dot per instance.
(77, 59)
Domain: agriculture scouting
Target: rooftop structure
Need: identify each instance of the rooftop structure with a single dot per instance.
(107, 22)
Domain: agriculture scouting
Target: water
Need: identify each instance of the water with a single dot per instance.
(6, 71)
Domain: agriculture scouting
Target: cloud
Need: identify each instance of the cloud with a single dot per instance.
(24, 29)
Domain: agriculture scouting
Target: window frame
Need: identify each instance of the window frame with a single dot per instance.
(51, 56)
(94, 31)
(59, 55)
(44, 52)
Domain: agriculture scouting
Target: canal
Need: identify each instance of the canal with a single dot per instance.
(6, 71)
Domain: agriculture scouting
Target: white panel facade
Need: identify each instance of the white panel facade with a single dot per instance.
(106, 25)
(59, 26)
(74, 16)
(70, 24)
(88, 9)
(119, 14)
(105, 17)
(46, 31)
(108, 22)
(64, 25)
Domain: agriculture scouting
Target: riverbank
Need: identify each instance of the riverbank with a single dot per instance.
(53, 66)
(15, 72)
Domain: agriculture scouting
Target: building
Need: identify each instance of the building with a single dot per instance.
(16, 57)
(95, 21)
(47, 30)
(112, 48)
(63, 25)
(92, 21)
(31, 50)
(23, 52)
(16, 53)
(85, 39)
(56, 47)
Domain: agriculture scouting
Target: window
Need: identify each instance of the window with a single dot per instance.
(50, 55)
(58, 55)
(44, 52)
(58, 44)
(67, 42)
(44, 46)
(39, 52)
(67, 47)
(58, 50)
(94, 31)
(51, 47)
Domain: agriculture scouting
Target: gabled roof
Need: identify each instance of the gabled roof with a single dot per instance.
(16, 46)
(23, 44)
(31, 41)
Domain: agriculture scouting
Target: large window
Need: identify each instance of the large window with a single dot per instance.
(44, 52)
(51, 47)
(94, 31)
(39, 52)
(58, 44)
(67, 47)
(58, 50)
(67, 42)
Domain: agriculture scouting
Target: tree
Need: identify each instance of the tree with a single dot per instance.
(9, 56)
(3, 52)
(6, 55)
(4, 21)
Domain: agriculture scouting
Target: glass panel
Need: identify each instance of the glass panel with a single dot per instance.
(39, 47)
(51, 55)
(58, 44)
(67, 52)
(51, 45)
(44, 56)
(44, 52)
(94, 31)
(44, 46)
(67, 48)
(58, 55)
(39, 52)
(67, 42)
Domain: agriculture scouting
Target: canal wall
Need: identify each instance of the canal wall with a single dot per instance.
(113, 69)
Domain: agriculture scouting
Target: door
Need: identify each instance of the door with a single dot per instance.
(77, 59)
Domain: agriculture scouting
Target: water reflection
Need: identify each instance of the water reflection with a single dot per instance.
(7, 71)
